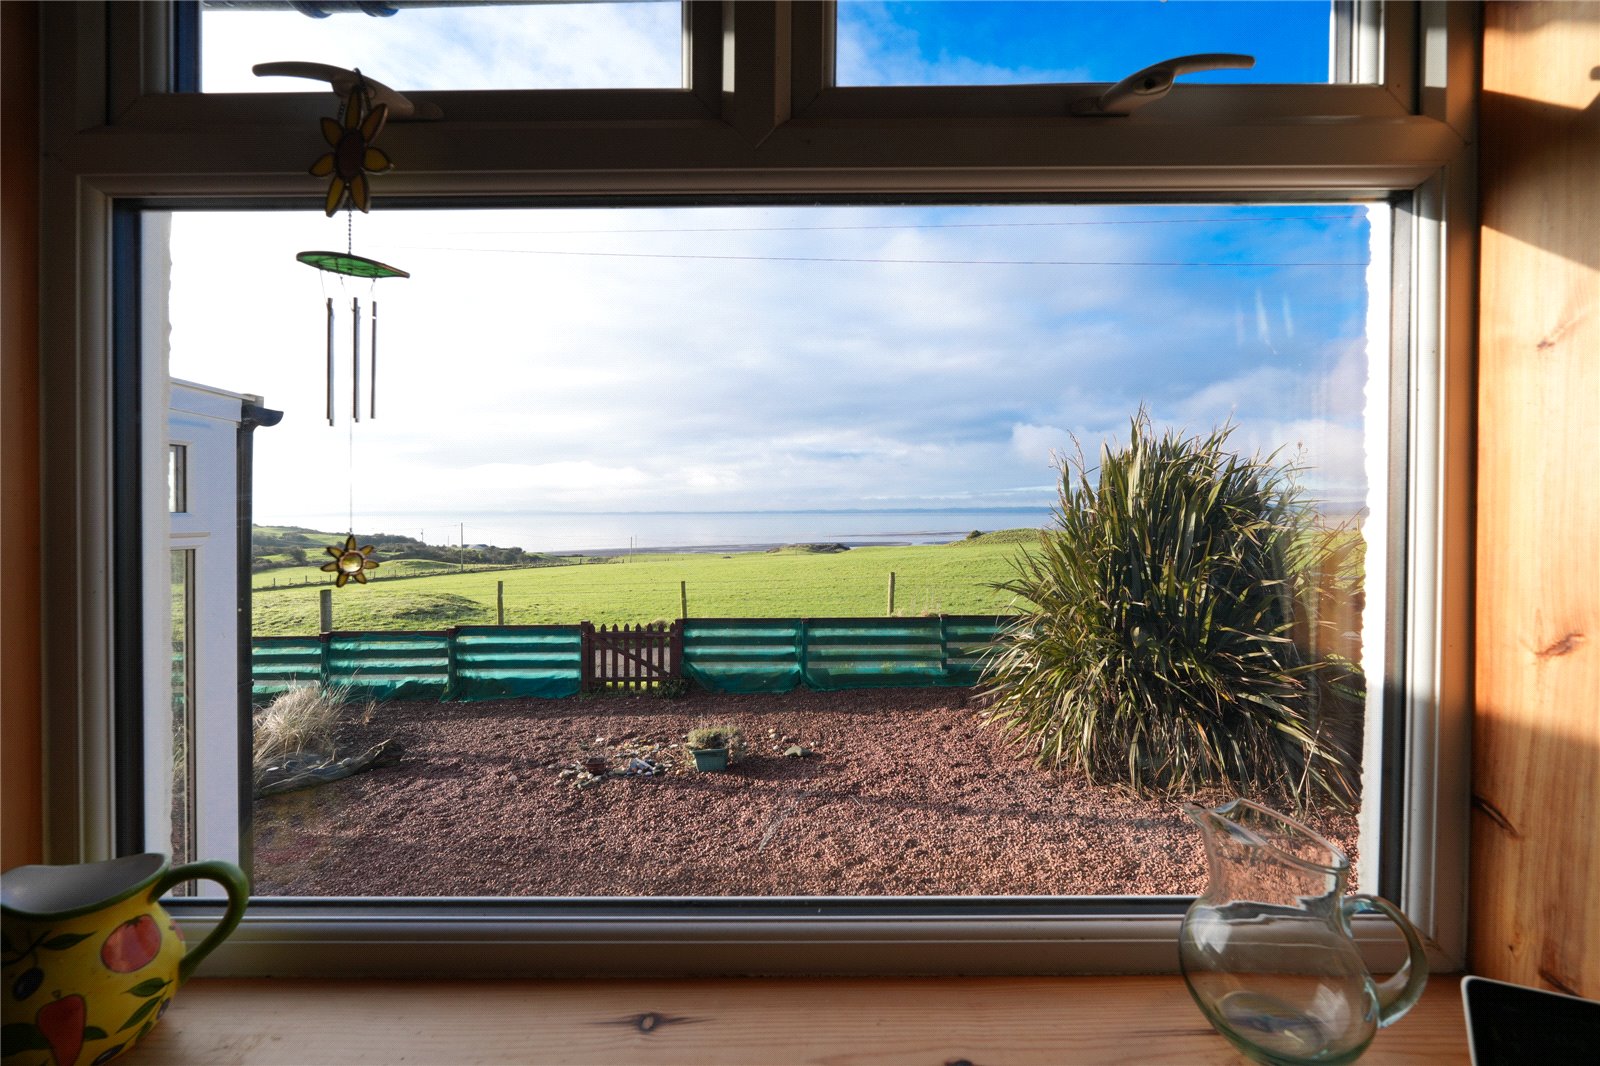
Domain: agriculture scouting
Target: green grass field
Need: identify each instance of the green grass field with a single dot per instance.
(929, 579)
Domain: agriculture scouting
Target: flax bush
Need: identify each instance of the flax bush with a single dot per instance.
(1158, 643)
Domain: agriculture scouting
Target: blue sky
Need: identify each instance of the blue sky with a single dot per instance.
(989, 42)
(728, 358)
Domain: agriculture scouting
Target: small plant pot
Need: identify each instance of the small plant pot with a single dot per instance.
(709, 759)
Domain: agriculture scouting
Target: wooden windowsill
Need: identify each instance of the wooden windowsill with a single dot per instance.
(1052, 1021)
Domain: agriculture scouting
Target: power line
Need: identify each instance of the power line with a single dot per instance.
(900, 262)
(917, 225)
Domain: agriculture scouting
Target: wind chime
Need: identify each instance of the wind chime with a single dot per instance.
(352, 156)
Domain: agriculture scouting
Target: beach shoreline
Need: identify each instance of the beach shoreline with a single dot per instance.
(738, 549)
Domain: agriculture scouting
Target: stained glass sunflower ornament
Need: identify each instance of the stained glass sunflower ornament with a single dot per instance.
(353, 155)
(349, 562)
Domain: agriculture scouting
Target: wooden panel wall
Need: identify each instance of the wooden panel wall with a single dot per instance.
(1535, 905)
(21, 786)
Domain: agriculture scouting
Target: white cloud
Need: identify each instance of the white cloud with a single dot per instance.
(527, 46)
(1039, 443)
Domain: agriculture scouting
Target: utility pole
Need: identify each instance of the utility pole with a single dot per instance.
(462, 561)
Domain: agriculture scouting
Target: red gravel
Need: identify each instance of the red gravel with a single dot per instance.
(905, 795)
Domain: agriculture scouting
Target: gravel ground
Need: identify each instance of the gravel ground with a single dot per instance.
(904, 794)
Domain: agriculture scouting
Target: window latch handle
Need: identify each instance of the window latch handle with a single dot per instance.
(342, 80)
(1155, 81)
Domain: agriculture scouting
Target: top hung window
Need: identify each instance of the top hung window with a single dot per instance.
(971, 42)
(423, 45)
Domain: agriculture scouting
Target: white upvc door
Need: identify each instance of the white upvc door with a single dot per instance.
(192, 712)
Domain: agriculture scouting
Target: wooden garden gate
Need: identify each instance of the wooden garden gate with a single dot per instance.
(634, 657)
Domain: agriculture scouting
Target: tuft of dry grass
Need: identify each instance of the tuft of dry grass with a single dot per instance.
(721, 735)
(303, 719)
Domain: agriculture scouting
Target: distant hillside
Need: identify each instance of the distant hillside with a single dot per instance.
(279, 546)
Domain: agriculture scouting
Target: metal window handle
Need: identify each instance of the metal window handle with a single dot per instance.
(1155, 81)
(342, 80)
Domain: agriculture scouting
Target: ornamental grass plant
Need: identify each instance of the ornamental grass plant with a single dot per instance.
(300, 720)
(1169, 638)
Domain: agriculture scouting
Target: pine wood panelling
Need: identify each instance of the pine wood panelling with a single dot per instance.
(1535, 905)
(1045, 1021)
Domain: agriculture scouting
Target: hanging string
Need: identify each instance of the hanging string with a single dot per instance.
(350, 471)
(372, 341)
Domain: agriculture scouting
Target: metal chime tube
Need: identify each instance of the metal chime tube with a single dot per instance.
(330, 360)
(372, 378)
(355, 359)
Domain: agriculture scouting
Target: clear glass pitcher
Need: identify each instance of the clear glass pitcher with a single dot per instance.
(1268, 951)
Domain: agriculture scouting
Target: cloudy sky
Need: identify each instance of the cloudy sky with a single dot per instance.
(756, 358)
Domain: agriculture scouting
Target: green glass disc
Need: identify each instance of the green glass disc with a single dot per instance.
(355, 266)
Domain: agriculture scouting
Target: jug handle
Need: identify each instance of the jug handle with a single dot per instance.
(1404, 987)
(231, 878)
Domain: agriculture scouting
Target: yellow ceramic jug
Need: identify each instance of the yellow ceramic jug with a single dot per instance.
(91, 960)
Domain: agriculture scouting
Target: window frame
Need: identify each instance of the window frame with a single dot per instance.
(117, 139)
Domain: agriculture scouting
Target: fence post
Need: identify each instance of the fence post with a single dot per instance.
(891, 592)
(326, 624)
(452, 685)
(683, 599)
(802, 651)
(500, 603)
(585, 656)
(675, 652)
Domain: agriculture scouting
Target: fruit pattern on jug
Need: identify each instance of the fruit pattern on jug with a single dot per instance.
(60, 1024)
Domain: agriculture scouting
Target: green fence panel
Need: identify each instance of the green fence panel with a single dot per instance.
(496, 662)
(865, 652)
(389, 666)
(281, 663)
(868, 652)
(742, 654)
(969, 641)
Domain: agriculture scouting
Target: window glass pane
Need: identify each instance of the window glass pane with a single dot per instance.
(624, 416)
(177, 478)
(423, 46)
(1005, 42)
(183, 769)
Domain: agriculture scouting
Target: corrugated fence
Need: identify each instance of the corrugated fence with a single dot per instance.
(719, 654)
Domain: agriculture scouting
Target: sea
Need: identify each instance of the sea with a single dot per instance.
(611, 532)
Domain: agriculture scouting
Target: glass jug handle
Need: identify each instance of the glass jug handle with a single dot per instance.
(1402, 990)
